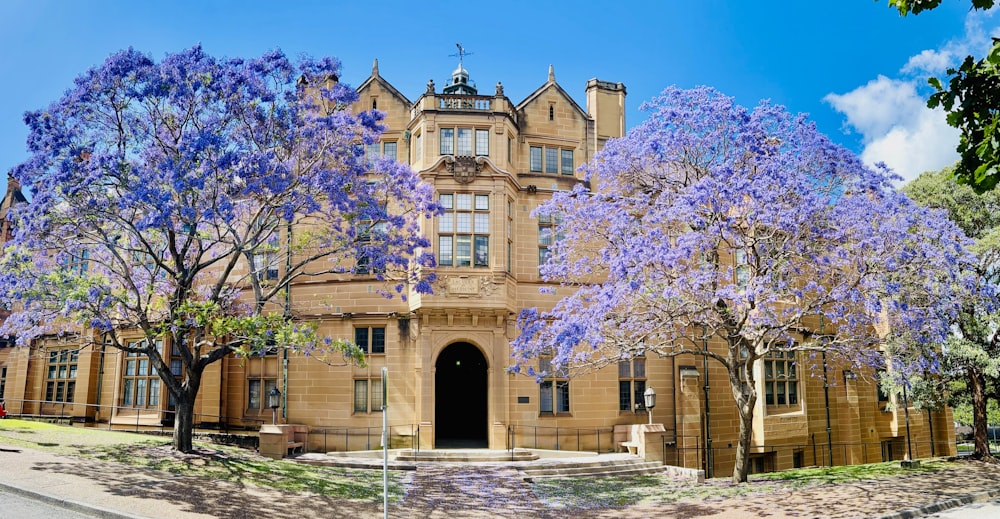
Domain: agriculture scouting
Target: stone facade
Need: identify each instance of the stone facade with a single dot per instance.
(492, 162)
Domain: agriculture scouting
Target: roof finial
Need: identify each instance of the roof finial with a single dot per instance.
(375, 68)
(462, 53)
(552, 74)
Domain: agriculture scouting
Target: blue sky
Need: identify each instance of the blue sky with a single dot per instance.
(855, 66)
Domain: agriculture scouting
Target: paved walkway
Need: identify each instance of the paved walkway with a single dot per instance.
(450, 491)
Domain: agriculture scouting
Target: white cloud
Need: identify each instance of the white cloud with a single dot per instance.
(892, 116)
(975, 42)
(897, 127)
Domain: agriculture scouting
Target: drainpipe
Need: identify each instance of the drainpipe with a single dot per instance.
(100, 376)
(288, 317)
(709, 462)
(826, 396)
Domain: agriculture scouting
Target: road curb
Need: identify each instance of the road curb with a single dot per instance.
(941, 506)
(75, 506)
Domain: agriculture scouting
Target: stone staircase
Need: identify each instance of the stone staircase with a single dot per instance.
(465, 456)
(621, 465)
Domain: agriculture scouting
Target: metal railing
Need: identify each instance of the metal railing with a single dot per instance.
(113, 417)
(688, 452)
(596, 439)
(346, 439)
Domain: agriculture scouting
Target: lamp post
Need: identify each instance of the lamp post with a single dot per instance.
(650, 397)
(273, 399)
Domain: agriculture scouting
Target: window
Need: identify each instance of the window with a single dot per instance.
(464, 147)
(447, 141)
(482, 143)
(553, 392)
(741, 261)
(556, 160)
(547, 234)
(632, 384)
(363, 260)
(418, 151)
(510, 149)
(551, 160)
(883, 396)
(141, 383)
(265, 260)
(535, 159)
(366, 401)
(389, 150)
(463, 230)
(370, 339)
(3, 380)
(76, 263)
(566, 166)
(510, 234)
(60, 383)
(256, 398)
(465, 142)
(552, 113)
(371, 151)
(781, 381)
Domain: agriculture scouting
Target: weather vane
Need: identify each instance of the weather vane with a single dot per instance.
(462, 53)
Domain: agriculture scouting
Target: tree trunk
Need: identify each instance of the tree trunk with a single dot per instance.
(742, 467)
(184, 410)
(979, 433)
(184, 424)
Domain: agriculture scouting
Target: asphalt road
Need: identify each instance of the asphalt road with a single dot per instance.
(13, 506)
(982, 510)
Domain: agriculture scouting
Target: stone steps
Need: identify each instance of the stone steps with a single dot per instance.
(615, 467)
(465, 456)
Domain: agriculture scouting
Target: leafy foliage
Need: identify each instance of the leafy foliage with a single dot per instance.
(180, 199)
(973, 349)
(971, 100)
(749, 229)
(918, 6)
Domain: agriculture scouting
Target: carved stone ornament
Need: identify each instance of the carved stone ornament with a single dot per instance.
(464, 168)
(467, 285)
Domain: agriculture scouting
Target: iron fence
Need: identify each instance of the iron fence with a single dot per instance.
(112, 416)
(596, 439)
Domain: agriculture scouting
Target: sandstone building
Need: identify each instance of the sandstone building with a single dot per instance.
(492, 161)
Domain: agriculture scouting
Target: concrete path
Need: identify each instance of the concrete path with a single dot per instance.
(455, 491)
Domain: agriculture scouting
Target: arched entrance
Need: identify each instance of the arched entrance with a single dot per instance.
(460, 398)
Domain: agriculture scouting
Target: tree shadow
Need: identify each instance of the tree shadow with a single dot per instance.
(215, 498)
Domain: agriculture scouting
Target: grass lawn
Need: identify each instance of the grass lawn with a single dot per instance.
(598, 493)
(209, 461)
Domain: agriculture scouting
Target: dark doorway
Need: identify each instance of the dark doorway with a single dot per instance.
(460, 400)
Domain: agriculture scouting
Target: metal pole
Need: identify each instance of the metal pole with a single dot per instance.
(385, 445)
(906, 411)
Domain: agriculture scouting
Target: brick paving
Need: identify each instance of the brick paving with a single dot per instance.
(454, 491)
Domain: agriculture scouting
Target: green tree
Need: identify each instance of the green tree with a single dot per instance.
(972, 98)
(917, 6)
(973, 352)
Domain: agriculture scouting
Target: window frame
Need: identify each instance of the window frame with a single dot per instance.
(556, 385)
(634, 382)
(783, 385)
(62, 368)
(371, 340)
(143, 381)
(372, 399)
(463, 230)
(547, 235)
(464, 141)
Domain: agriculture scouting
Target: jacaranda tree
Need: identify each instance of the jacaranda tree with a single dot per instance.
(174, 202)
(751, 232)
(973, 349)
